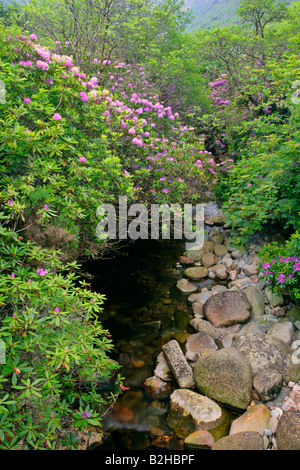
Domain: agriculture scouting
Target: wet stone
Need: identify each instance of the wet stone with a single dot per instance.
(196, 342)
(178, 364)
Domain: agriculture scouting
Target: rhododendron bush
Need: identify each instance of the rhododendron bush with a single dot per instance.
(69, 144)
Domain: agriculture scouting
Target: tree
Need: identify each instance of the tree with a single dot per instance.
(259, 13)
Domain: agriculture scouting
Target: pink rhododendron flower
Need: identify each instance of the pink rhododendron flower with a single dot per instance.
(57, 117)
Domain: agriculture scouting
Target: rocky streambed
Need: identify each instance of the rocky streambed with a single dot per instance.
(214, 363)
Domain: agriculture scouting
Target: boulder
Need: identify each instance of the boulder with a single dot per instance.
(227, 308)
(283, 331)
(220, 250)
(256, 300)
(264, 351)
(241, 441)
(225, 376)
(178, 364)
(189, 412)
(256, 418)
(199, 440)
(274, 298)
(196, 342)
(268, 384)
(288, 431)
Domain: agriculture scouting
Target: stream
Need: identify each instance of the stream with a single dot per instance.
(143, 311)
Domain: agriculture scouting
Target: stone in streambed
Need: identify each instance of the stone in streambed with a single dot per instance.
(209, 259)
(190, 412)
(220, 250)
(227, 308)
(204, 325)
(185, 286)
(256, 300)
(199, 440)
(162, 369)
(196, 342)
(241, 441)
(268, 384)
(274, 298)
(196, 273)
(256, 418)
(157, 388)
(264, 351)
(178, 364)
(288, 431)
(225, 376)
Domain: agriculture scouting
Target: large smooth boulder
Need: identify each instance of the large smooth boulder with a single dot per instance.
(242, 441)
(178, 364)
(227, 308)
(189, 412)
(225, 376)
(264, 351)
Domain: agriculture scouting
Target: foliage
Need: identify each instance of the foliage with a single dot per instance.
(56, 351)
(281, 266)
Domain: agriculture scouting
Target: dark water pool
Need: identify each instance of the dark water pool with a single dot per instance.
(143, 310)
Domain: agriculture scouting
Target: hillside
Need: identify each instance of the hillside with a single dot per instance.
(208, 13)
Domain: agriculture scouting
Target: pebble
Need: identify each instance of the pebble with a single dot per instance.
(296, 344)
(266, 442)
(267, 432)
(273, 423)
(277, 412)
(274, 443)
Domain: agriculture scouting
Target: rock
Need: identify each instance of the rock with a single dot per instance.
(196, 342)
(240, 283)
(162, 370)
(256, 418)
(204, 325)
(199, 440)
(256, 300)
(209, 259)
(195, 255)
(232, 275)
(227, 308)
(222, 273)
(227, 341)
(252, 328)
(288, 431)
(232, 248)
(273, 424)
(249, 440)
(190, 412)
(216, 236)
(157, 389)
(274, 298)
(197, 308)
(289, 405)
(178, 364)
(220, 250)
(295, 396)
(268, 383)
(219, 288)
(283, 331)
(264, 351)
(123, 414)
(236, 254)
(185, 286)
(196, 273)
(201, 296)
(217, 219)
(186, 260)
(278, 311)
(294, 312)
(250, 269)
(225, 376)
